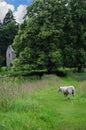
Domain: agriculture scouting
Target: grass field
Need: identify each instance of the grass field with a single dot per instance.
(36, 105)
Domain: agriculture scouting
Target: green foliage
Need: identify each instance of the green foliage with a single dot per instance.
(52, 35)
(25, 57)
(74, 41)
(8, 17)
(41, 34)
(16, 65)
(8, 30)
(3, 69)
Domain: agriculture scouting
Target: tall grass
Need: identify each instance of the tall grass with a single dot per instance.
(8, 90)
(36, 105)
(15, 87)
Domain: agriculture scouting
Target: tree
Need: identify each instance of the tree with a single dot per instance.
(74, 44)
(54, 33)
(9, 17)
(8, 31)
(42, 33)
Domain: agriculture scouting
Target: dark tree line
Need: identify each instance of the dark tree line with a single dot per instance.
(8, 30)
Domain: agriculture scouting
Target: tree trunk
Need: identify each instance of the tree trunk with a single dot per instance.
(80, 69)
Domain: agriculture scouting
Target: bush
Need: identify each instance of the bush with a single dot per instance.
(61, 73)
(27, 73)
(3, 69)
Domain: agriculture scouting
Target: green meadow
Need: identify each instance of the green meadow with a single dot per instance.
(35, 104)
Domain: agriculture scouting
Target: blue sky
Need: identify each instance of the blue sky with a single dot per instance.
(16, 3)
(17, 6)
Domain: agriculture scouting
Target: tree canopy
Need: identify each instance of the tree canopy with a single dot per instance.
(75, 35)
(52, 35)
(41, 33)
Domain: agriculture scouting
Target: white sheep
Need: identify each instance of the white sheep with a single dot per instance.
(67, 90)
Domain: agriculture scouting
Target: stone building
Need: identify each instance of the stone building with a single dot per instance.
(10, 56)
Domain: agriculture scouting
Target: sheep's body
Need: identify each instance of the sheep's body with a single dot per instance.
(67, 90)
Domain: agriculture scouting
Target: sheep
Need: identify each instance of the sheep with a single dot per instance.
(67, 90)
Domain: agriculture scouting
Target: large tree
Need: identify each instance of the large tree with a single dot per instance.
(41, 33)
(53, 32)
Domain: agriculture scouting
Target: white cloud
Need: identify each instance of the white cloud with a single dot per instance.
(1, 0)
(4, 8)
(19, 13)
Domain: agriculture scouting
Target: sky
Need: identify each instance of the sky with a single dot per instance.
(17, 6)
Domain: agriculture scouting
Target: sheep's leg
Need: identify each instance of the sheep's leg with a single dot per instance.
(73, 93)
(65, 95)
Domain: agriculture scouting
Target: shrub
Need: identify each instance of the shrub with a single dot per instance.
(3, 69)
